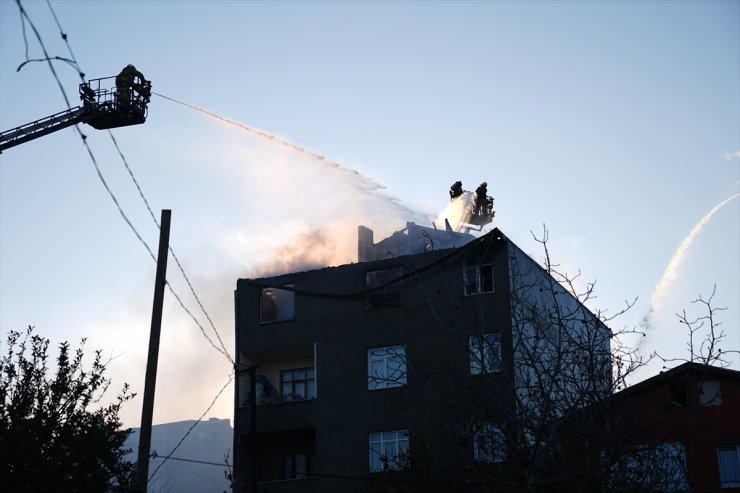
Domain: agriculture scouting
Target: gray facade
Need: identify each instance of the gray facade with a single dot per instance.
(359, 362)
(199, 462)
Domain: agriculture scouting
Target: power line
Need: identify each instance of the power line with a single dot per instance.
(73, 62)
(155, 456)
(168, 456)
(25, 17)
(453, 252)
(223, 349)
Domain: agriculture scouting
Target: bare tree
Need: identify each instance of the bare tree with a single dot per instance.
(704, 348)
(533, 411)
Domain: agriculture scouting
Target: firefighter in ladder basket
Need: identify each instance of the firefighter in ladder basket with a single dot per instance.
(456, 190)
(126, 81)
(483, 205)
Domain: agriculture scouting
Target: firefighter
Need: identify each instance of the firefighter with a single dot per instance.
(456, 190)
(481, 200)
(124, 83)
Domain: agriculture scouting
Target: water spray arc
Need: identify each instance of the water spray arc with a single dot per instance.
(671, 272)
(356, 177)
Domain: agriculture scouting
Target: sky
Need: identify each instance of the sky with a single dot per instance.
(615, 125)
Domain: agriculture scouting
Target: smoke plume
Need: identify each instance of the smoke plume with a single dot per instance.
(270, 207)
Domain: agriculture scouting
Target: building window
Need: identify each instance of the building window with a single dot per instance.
(386, 367)
(298, 465)
(478, 276)
(383, 287)
(679, 393)
(709, 393)
(297, 385)
(729, 466)
(388, 450)
(485, 354)
(277, 305)
(655, 467)
(489, 444)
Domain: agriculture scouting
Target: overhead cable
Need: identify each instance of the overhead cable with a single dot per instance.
(73, 62)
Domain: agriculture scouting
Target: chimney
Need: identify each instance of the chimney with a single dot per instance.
(364, 244)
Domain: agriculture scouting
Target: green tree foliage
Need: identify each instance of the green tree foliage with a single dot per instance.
(55, 434)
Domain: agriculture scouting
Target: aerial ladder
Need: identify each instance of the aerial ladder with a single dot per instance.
(109, 102)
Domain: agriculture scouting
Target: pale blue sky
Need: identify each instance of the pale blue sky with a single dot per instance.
(615, 123)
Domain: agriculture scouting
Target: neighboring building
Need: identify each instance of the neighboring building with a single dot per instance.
(430, 344)
(198, 464)
(688, 420)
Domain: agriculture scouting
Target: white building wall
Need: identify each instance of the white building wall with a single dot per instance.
(561, 349)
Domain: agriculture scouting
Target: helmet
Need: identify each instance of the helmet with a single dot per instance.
(484, 184)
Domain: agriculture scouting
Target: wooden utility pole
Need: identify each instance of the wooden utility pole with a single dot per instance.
(147, 410)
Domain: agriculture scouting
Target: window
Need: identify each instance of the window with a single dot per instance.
(478, 276)
(300, 384)
(489, 444)
(485, 354)
(679, 393)
(383, 287)
(388, 450)
(297, 465)
(709, 393)
(277, 304)
(655, 467)
(386, 367)
(729, 466)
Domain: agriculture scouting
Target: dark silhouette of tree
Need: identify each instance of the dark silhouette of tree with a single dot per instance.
(55, 434)
(536, 410)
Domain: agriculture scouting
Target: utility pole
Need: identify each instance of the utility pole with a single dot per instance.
(145, 433)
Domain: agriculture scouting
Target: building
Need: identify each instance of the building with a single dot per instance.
(688, 419)
(198, 464)
(425, 353)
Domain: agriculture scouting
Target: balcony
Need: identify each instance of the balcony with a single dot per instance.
(288, 415)
(285, 461)
(286, 386)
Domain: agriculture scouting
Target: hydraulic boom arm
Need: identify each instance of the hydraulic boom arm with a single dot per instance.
(45, 126)
(103, 107)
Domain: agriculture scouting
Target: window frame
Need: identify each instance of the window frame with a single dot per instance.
(678, 393)
(713, 387)
(381, 439)
(283, 294)
(726, 482)
(384, 292)
(293, 456)
(388, 379)
(292, 381)
(484, 363)
(477, 266)
(489, 444)
(662, 463)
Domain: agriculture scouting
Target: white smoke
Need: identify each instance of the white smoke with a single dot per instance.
(272, 207)
(458, 212)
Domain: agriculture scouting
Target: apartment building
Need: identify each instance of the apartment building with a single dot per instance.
(418, 355)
